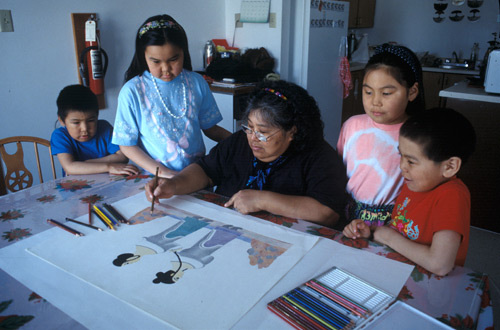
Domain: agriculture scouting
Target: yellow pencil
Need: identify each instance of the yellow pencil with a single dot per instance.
(103, 217)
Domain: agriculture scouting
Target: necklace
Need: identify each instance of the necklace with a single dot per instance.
(163, 102)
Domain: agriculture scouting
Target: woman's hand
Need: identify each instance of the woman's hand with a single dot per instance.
(246, 201)
(357, 228)
(165, 189)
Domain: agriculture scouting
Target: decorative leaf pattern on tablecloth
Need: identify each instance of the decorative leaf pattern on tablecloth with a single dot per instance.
(16, 234)
(46, 199)
(11, 215)
(73, 185)
(12, 321)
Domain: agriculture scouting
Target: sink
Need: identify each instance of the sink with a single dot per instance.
(454, 65)
(448, 63)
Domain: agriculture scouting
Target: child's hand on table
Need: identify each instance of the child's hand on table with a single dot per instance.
(357, 228)
(123, 169)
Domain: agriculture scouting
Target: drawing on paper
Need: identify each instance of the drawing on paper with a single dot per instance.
(211, 236)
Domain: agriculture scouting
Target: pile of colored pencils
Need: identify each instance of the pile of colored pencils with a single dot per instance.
(314, 305)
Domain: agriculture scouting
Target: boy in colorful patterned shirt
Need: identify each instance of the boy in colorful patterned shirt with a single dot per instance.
(432, 211)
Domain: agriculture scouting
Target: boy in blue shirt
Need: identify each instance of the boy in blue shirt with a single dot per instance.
(83, 143)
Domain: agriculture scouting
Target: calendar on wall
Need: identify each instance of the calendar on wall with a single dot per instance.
(255, 11)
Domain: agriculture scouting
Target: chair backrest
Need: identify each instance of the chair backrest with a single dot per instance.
(17, 176)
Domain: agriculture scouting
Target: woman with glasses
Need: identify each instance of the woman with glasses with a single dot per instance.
(279, 162)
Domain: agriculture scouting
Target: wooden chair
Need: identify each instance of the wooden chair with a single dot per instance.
(17, 176)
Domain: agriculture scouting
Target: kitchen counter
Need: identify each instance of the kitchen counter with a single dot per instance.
(356, 66)
(455, 71)
(463, 90)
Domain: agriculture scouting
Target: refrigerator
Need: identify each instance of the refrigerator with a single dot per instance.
(316, 43)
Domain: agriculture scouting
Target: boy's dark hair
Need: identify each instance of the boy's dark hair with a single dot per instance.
(404, 66)
(166, 30)
(442, 133)
(76, 98)
(285, 105)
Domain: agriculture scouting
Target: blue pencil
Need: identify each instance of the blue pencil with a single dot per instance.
(323, 307)
(115, 213)
(107, 214)
(307, 308)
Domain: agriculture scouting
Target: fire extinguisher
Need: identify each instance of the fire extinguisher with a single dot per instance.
(92, 68)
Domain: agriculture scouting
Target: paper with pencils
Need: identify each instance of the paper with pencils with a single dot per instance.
(218, 264)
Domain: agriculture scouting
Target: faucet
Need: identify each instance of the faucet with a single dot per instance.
(455, 56)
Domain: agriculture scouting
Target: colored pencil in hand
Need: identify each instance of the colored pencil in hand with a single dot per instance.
(154, 187)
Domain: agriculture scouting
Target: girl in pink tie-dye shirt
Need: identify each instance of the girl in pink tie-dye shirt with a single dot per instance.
(368, 143)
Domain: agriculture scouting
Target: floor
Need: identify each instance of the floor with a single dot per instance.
(483, 255)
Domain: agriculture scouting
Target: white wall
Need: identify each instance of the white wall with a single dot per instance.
(410, 23)
(255, 35)
(38, 59)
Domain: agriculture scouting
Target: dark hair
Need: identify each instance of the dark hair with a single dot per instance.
(171, 32)
(122, 258)
(165, 277)
(403, 65)
(285, 105)
(76, 98)
(442, 133)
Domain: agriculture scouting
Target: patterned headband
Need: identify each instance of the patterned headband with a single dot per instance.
(404, 54)
(161, 24)
(275, 92)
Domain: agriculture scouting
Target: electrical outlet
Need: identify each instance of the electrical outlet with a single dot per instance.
(6, 21)
(237, 22)
(272, 20)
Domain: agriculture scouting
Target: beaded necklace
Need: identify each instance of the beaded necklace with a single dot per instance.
(183, 110)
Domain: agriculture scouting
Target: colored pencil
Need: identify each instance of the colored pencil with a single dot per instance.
(288, 316)
(68, 229)
(115, 213)
(308, 311)
(305, 320)
(90, 213)
(321, 315)
(109, 214)
(107, 223)
(106, 214)
(83, 224)
(335, 317)
(104, 217)
(156, 185)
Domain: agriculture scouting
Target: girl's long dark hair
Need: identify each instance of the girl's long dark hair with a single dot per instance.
(157, 37)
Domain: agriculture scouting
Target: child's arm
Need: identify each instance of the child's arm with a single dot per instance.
(438, 258)
(113, 164)
(216, 133)
(138, 156)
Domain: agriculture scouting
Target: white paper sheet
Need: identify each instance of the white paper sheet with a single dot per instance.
(229, 261)
(96, 308)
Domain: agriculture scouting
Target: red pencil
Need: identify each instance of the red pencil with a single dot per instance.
(90, 214)
(68, 229)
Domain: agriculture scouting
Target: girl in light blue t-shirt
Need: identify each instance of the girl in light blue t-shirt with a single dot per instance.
(164, 106)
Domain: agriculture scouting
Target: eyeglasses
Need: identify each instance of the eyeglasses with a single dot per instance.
(258, 134)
